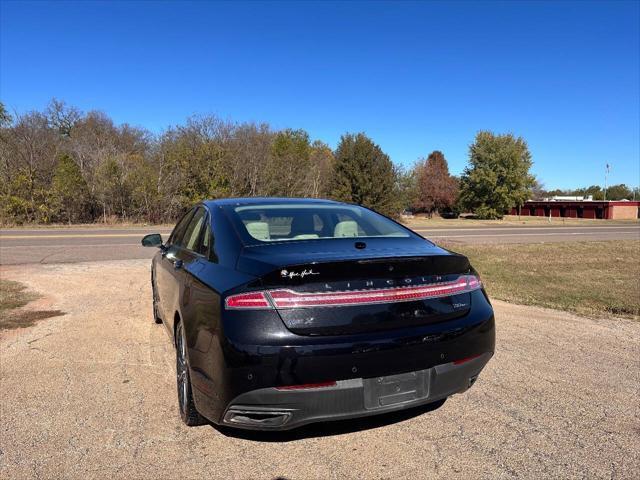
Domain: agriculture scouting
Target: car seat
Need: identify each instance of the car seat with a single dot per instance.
(347, 228)
(258, 230)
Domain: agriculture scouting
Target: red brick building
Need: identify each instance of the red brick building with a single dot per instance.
(580, 209)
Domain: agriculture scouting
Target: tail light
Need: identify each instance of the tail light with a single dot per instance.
(251, 301)
(283, 298)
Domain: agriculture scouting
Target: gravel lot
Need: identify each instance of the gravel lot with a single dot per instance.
(91, 394)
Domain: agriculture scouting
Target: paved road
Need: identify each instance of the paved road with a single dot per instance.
(21, 246)
(18, 246)
(91, 394)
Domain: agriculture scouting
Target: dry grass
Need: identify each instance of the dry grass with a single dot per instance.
(591, 278)
(14, 296)
(508, 220)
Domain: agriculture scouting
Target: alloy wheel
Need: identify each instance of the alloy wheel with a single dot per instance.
(181, 368)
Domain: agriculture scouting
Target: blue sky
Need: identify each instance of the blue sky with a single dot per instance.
(415, 76)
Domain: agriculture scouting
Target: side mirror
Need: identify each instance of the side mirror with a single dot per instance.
(152, 240)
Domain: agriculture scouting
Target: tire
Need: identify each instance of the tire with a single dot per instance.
(188, 412)
(156, 315)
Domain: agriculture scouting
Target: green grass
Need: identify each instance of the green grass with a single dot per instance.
(590, 278)
(13, 296)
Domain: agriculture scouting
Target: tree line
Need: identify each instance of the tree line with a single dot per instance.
(619, 191)
(64, 165)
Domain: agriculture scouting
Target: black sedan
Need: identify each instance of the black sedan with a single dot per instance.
(289, 311)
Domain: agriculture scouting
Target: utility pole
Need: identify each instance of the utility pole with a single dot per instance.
(606, 172)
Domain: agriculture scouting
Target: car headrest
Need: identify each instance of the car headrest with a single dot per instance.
(258, 230)
(348, 228)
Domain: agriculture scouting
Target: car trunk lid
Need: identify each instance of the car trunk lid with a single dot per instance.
(338, 291)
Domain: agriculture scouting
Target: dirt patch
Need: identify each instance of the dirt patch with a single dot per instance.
(92, 394)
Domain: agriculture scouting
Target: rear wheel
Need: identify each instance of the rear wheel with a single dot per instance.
(188, 412)
(156, 315)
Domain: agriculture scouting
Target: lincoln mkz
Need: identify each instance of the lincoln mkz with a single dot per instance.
(285, 312)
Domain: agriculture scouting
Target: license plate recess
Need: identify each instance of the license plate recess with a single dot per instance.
(380, 392)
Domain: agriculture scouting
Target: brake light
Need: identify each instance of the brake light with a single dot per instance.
(284, 298)
(251, 300)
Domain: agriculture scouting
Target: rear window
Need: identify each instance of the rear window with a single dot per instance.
(287, 222)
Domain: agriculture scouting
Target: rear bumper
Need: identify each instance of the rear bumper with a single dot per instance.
(257, 356)
(274, 409)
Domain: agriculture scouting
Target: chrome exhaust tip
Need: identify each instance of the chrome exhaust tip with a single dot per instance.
(257, 418)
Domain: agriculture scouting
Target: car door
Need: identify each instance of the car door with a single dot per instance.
(202, 314)
(164, 265)
(173, 283)
(191, 261)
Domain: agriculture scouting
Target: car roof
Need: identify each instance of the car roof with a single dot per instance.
(267, 200)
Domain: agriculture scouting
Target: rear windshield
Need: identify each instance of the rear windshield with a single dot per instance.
(287, 221)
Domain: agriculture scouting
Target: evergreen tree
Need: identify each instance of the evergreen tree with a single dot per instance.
(619, 192)
(364, 175)
(5, 118)
(289, 164)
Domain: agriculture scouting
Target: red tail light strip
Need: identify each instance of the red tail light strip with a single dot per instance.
(251, 300)
(289, 299)
(306, 386)
(466, 359)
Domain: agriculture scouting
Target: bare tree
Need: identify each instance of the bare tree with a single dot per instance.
(62, 117)
(321, 169)
(125, 172)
